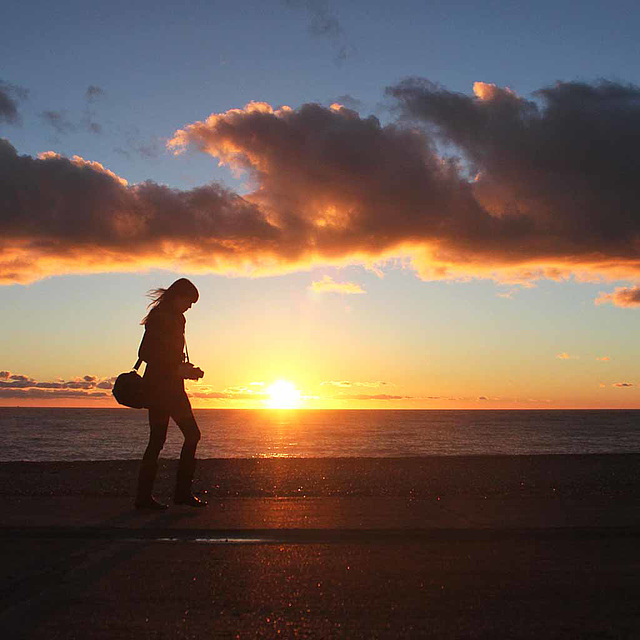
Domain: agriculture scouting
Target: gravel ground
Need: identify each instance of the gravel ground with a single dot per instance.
(566, 475)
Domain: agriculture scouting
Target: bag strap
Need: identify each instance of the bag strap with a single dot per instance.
(186, 349)
(136, 366)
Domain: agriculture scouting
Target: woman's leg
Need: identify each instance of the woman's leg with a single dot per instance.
(158, 423)
(183, 417)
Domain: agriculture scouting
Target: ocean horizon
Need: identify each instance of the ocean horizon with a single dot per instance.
(69, 434)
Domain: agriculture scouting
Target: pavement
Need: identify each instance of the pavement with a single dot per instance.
(321, 567)
(358, 516)
(516, 547)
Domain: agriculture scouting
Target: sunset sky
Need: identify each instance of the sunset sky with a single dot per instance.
(388, 205)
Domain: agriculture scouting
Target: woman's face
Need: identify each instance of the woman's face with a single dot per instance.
(182, 303)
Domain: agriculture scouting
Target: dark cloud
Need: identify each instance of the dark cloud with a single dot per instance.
(542, 188)
(621, 297)
(10, 97)
(622, 384)
(93, 93)
(42, 394)
(146, 148)
(22, 386)
(93, 127)
(59, 121)
(557, 175)
(323, 23)
(19, 378)
(64, 215)
(89, 119)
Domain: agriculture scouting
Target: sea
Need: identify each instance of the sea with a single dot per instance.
(62, 434)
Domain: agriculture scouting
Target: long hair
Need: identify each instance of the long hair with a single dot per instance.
(181, 287)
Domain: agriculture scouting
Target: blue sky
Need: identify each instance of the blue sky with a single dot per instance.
(162, 65)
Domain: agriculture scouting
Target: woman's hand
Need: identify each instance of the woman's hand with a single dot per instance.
(187, 371)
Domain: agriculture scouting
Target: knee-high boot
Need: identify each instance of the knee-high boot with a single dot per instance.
(146, 478)
(184, 479)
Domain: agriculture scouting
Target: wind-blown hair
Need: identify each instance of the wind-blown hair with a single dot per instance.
(181, 287)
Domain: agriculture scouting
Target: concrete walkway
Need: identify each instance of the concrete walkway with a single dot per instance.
(115, 517)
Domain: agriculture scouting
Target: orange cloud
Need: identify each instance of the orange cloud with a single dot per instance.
(328, 285)
(379, 396)
(622, 384)
(552, 185)
(565, 356)
(603, 359)
(204, 392)
(621, 297)
(347, 383)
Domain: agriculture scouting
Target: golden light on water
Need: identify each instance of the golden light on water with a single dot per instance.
(283, 395)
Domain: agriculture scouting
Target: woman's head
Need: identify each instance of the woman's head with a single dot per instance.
(179, 296)
(183, 290)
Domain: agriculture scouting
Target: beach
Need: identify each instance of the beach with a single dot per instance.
(446, 547)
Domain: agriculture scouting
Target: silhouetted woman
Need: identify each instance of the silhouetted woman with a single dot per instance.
(162, 348)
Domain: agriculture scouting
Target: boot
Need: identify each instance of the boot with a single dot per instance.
(184, 478)
(146, 478)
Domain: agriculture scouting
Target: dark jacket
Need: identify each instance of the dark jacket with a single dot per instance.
(162, 348)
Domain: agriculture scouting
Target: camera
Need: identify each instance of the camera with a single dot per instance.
(188, 371)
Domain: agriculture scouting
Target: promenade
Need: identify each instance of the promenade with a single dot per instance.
(516, 563)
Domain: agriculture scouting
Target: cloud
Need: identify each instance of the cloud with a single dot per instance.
(603, 359)
(565, 356)
(380, 396)
(37, 393)
(22, 386)
(555, 176)
(204, 392)
(63, 124)
(19, 379)
(59, 121)
(622, 384)
(347, 384)
(10, 97)
(328, 285)
(323, 23)
(349, 101)
(541, 189)
(482, 398)
(64, 215)
(93, 93)
(93, 127)
(621, 297)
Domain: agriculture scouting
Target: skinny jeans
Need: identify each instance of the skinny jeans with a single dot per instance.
(178, 407)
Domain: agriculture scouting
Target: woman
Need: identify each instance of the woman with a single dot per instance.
(162, 348)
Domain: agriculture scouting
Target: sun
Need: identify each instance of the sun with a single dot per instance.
(283, 395)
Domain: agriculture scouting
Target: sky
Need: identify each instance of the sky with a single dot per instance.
(387, 205)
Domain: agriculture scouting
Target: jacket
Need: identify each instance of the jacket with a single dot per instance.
(162, 348)
(162, 345)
